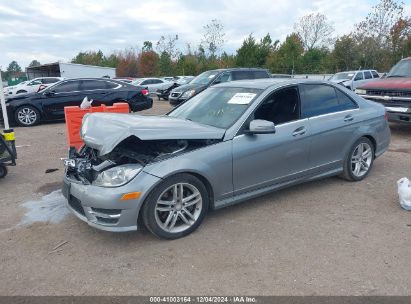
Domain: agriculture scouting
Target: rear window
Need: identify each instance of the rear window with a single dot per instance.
(93, 85)
(242, 75)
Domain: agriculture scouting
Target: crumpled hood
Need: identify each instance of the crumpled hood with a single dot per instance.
(388, 83)
(104, 131)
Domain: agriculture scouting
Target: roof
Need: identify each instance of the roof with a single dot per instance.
(238, 69)
(265, 83)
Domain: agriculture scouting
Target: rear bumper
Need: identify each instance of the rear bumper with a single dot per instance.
(140, 106)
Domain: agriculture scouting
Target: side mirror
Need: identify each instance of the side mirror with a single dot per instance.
(49, 93)
(259, 126)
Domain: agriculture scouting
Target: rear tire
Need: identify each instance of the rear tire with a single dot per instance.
(176, 207)
(359, 160)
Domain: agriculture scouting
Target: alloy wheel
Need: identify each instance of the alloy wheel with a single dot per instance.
(361, 159)
(178, 207)
(27, 116)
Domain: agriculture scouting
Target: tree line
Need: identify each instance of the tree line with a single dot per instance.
(377, 42)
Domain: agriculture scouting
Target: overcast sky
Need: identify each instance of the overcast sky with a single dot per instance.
(57, 30)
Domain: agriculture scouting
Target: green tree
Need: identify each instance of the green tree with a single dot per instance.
(288, 57)
(147, 46)
(165, 65)
(89, 58)
(34, 63)
(13, 67)
(345, 54)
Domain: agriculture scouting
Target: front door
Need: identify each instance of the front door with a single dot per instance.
(266, 159)
(55, 98)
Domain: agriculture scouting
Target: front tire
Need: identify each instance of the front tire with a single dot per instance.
(176, 207)
(359, 160)
(27, 116)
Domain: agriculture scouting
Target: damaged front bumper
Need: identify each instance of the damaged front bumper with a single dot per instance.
(103, 208)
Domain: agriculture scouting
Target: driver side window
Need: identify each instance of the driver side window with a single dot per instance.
(280, 107)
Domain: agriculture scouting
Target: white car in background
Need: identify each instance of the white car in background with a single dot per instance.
(31, 86)
(353, 79)
(152, 84)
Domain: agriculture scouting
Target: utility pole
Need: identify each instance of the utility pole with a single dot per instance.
(3, 104)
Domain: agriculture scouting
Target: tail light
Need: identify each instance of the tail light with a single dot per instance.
(144, 92)
(386, 116)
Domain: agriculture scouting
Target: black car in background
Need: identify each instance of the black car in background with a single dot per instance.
(209, 78)
(29, 109)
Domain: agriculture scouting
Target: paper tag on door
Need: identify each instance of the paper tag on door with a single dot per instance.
(242, 98)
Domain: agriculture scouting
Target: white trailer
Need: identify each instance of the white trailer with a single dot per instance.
(69, 70)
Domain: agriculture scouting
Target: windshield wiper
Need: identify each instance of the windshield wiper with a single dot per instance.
(396, 76)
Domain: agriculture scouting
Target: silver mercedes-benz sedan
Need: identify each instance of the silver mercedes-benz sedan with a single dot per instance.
(230, 143)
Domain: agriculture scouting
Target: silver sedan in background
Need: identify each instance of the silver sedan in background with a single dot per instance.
(230, 143)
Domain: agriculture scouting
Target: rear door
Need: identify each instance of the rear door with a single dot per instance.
(333, 117)
(96, 89)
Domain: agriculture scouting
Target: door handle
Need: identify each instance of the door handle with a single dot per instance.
(348, 118)
(299, 131)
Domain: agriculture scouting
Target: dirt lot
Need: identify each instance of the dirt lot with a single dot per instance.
(328, 237)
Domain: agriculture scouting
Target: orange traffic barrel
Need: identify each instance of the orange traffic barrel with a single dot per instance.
(74, 118)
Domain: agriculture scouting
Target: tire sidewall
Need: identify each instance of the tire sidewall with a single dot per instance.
(148, 209)
(16, 119)
(348, 171)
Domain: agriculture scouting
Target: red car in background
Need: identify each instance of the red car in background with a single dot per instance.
(393, 91)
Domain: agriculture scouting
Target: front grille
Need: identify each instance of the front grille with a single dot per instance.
(75, 203)
(391, 93)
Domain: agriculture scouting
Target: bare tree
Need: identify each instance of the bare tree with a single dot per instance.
(213, 37)
(168, 45)
(314, 30)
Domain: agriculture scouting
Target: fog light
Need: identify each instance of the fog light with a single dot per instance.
(130, 196)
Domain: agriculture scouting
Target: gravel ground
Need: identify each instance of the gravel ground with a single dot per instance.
(328, 237)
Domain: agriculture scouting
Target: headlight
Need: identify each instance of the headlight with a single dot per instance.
(117, 176)
(360, 91)
(188, 94)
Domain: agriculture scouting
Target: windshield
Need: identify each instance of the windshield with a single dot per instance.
(204, 78)
(342, 76)
(401, 69)
(217, 107)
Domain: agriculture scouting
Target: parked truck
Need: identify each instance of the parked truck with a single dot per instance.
(393, 91)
